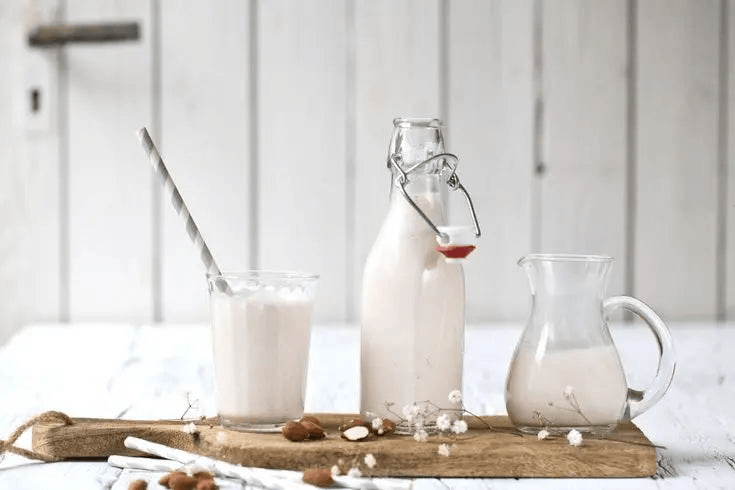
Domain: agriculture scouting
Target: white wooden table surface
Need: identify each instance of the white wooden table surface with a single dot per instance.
(112, 370)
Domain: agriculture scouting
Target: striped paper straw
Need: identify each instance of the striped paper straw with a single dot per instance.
(178, 203)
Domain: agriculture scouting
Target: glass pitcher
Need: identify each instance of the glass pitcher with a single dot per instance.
(566, 373)
(412, 315)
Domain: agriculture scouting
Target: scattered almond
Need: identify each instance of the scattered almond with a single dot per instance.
(207, 485)
(311, 418)
(295, 431)
(182, 481)
(165, 478)
(315, 431)
(353, 423)
(319, 478)
(388, 426)
(138, 485)
(356, 433)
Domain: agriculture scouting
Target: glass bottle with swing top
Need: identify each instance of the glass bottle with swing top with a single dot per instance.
(413, 298)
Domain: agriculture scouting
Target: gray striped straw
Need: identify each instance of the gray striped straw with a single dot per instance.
(178, 203)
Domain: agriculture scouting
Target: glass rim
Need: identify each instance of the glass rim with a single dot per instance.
(263, 274)
(566, 257)
(421, 122)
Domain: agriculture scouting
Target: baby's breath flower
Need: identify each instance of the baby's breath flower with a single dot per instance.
(370, 460)
(459, 426)
(443, 422)
(335, 470)
(354, 473)
(410, 412)
(377, 423)
(443, 450)
(189, 428)
(574, 437)
(455, 396)
(569, 391)
(542, 434)
(421, 435)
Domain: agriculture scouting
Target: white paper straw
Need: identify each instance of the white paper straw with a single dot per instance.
(149, 464)
(178, 203)
(276, 479)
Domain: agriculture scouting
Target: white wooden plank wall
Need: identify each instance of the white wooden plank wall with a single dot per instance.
(396, 61)
(490, 127)
(206, 144)
(582, 187)
(301, 148)
(676, 161)
(274, 118)
(110, 189)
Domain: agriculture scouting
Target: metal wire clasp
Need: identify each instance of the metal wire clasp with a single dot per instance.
(448, 161)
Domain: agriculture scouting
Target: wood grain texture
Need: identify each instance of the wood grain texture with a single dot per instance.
(677, 93)
(479, 453)
(582, 191)
(205, 142)
(29, 172)
(301, 168)
(397, 74)
(489, 126)
(109, 180)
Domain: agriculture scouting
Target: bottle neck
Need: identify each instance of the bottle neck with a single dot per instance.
(429, 193)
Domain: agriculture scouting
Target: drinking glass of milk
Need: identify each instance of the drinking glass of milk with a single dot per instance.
(261, 323)
(412, 318)
(566, 373)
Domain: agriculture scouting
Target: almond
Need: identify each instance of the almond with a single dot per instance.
(182, 481)
(388, 427)
(138, 485)
(207, 485)
(295, 431)
(165, 478)
(312, 419)
(353, 423)
(356, 433)
(319, 478)
(203, 475)
(315, 431)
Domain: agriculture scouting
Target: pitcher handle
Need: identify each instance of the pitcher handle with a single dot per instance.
(638, 402)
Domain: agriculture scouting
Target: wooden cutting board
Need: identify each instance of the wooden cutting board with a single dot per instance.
(477, 453)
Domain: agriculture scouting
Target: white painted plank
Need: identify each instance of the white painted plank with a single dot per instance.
(396, 74)
(109, 182)
(582, 197)
(205, 141)
(301, 149)
(29, 176)
(677, 93)
(490, 126)
(730, 208)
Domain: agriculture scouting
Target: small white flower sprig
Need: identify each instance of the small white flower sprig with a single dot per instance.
(415, 420)
(574, 437)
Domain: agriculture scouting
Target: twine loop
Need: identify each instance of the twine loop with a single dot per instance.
(43, 418)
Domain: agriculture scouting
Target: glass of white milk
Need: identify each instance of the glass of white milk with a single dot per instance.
(261, 322)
